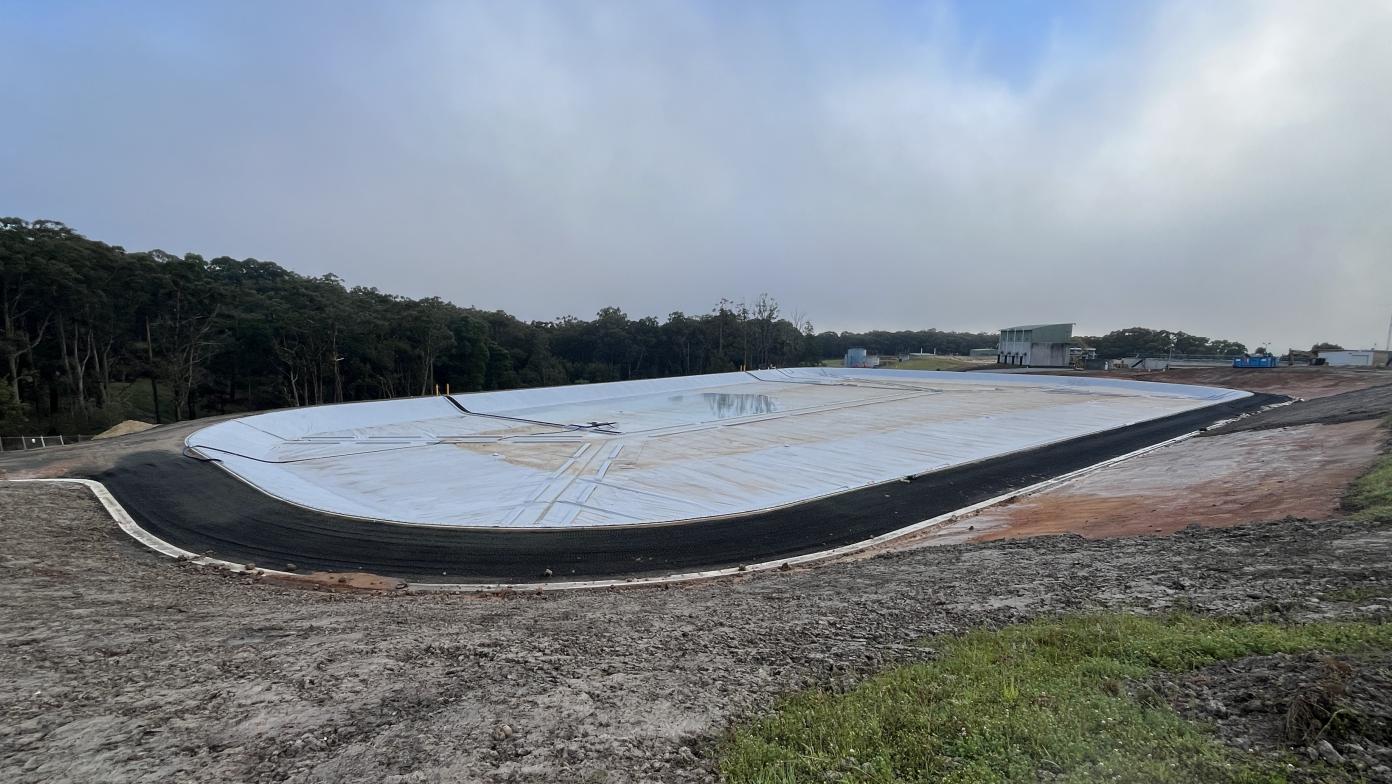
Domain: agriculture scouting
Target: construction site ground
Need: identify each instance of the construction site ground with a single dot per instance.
(1298, 382)
(120, 665)
(1297, 472)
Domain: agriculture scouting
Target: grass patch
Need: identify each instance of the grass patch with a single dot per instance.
(1370, 495)
(1002, 706)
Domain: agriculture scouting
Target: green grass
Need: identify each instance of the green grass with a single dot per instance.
(1000, 706)
(1370, 496)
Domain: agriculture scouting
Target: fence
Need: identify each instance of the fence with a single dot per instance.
(25, 443)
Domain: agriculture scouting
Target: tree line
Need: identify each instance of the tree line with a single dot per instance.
(1143, 342)
(93, 334)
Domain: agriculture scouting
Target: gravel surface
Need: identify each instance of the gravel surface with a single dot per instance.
(122, 666)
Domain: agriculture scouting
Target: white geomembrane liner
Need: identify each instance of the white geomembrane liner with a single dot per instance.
(664, 450)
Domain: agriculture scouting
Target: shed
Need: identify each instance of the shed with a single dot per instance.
(1355, 358)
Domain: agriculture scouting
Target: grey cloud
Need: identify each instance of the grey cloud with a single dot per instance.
(1220, 168)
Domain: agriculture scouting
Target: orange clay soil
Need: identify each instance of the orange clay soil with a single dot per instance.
(1220, 481)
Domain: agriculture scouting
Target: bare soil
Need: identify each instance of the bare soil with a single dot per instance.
(1333, 712)
(1298, 382)
(1353, 406)
(92, 457)
(1291, 461)
(123, 666)
(124, 429)
(1229, 480)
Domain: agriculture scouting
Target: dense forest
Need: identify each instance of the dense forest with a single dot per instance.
(93, 334)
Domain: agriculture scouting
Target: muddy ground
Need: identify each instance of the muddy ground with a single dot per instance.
(1230, 480)
(1334, 710)
(119, 665)
(1298, 382)
(1371, 403)
(1290, 461)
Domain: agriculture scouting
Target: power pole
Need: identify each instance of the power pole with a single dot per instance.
(1387, 344)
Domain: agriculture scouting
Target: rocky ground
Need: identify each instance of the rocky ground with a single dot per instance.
(1335, 710)
(121, 666)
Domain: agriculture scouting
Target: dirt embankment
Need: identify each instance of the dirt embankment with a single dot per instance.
(1335, 711)
(1371, 403)
(1297, 382)
(93, 457)
(125, 428)
(123, 666)
(1213, 482)
(1291, 461)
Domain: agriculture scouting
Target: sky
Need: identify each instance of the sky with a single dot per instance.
(1222, 168)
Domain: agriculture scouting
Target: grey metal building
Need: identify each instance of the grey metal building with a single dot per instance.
(1356, 358)
(1035, 345)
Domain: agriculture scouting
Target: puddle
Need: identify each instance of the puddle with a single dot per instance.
(725, 405)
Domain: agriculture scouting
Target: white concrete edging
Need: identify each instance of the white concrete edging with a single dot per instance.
(123, 519)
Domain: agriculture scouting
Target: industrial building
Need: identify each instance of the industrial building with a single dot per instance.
(1364, 358)
(1035, 345)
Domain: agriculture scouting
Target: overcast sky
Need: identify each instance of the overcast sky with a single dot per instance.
(1224, 168)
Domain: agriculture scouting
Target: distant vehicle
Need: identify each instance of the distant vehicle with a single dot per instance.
(1257, 361)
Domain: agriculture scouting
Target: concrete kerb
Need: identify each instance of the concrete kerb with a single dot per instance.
(133, 529)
